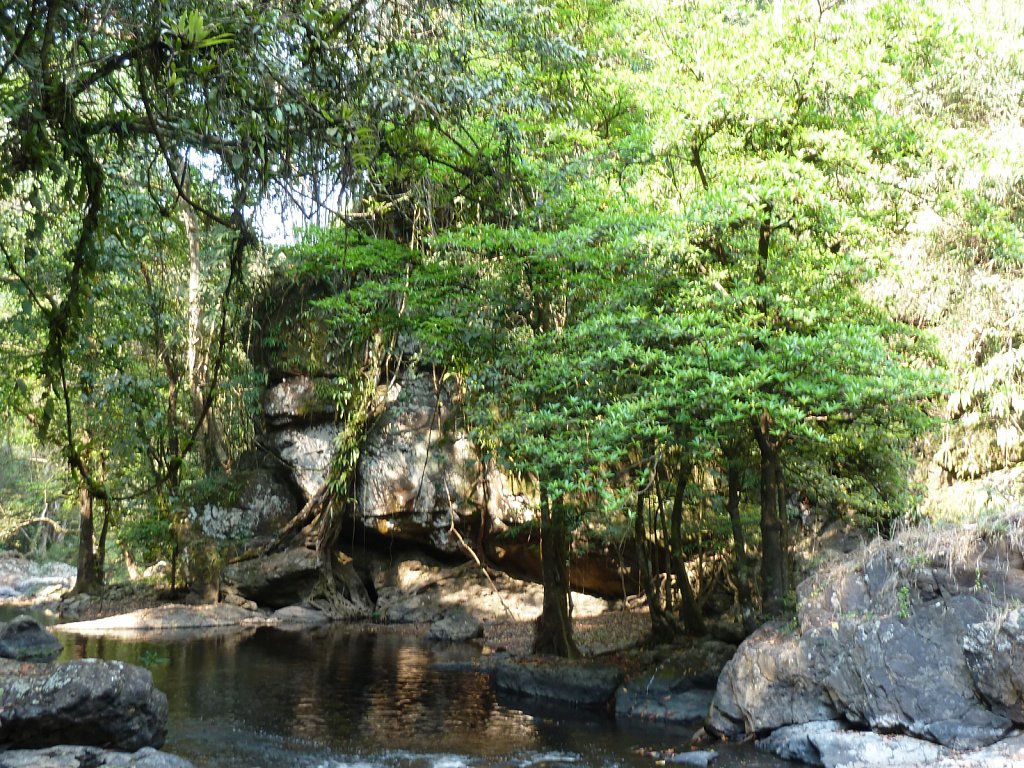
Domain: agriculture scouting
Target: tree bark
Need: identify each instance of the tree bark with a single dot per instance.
(663, 628)
(693, 621)
(553, 631)
(741, 563)
(88, 578)
(773, 549)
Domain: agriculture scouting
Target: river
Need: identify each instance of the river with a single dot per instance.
(340, 697)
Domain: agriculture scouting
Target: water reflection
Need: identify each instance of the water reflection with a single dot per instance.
(336, 697)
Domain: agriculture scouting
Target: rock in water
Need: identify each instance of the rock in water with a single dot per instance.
(458, 626)
(581, 683)
(23, 639)
(88, 702)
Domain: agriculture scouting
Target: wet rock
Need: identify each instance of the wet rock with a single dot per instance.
(23, 639)
(831, 745)
(678, 687)
(579, 683)
(66, 756)
(702, 758)
(87, 702)
(457, 626)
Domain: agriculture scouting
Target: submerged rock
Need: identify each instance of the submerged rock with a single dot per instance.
(88, 702)
(23, 639)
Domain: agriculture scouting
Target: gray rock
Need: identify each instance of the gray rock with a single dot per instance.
(308, 452)
(678, 707)
(299, 616)
(23, 639)
(457, 626)
(580, 683)
(768, 684)
(897, 663)
(702, 758)
(297, 400)
(87, 702)
(830, 745)
(276, 580)
(66, 756)
(418, 474)
(263, 504)
(994, 651)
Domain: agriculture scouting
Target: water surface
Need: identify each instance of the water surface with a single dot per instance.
(339, 696)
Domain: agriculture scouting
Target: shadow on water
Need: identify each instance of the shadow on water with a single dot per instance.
(338, 697)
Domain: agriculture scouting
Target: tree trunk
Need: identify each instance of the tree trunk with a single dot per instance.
(553, 631)
(88, 579)
(663, 628)
(773, 549)
(741, 564)
(693, 621)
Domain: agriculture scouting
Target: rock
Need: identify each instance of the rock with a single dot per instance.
(457, 626)
(23, 639)
(299, 616)
(87, 702)
(262, 504)
(297, 400)
(580, 683)
(167, 617)
(830, 745)
(418, 475)
(308, 451)
(682, 707)
(276, 580)
(66, 756)
(767, 685)
(994, 651)
(897, 648)
(679, 687)
(702, 758)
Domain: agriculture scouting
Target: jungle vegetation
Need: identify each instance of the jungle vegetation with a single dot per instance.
(683, 260)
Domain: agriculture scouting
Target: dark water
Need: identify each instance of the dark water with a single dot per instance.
(339, 697)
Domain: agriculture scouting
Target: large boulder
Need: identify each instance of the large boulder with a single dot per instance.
(23, 639)
(419, 478)
(889, 643)
(89, 702)
(298, 400)
(308, 451)
(291, 577)
(261, 503)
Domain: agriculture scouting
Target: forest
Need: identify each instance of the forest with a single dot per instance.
(692, 268)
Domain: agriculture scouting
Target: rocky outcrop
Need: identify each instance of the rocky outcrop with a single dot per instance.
(93, 703)
(22, 639)
(66, 756)
(262, 502)
(293, 576)
(897, 645)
